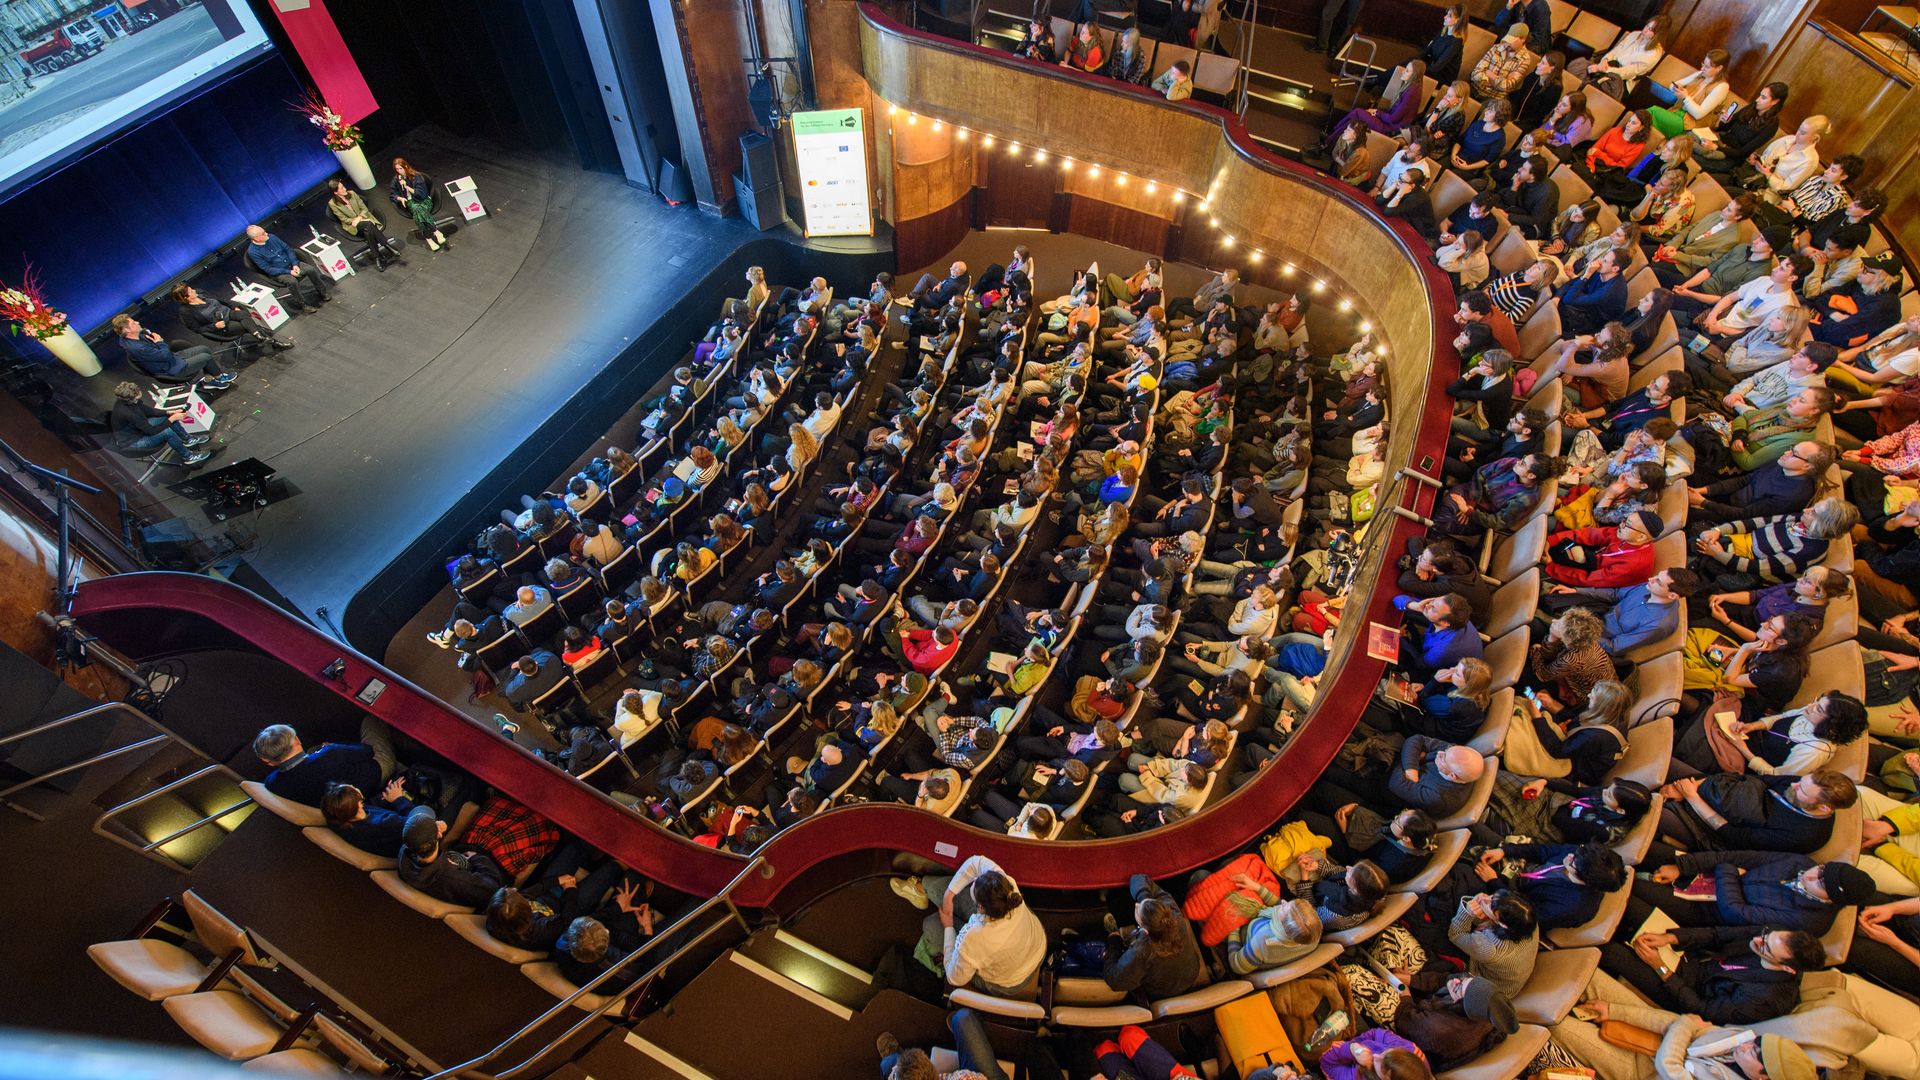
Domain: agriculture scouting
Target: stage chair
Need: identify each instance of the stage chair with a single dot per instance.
(1512, 253)
(538, 631)
(1658, 366)
(1215, 74)
(496, 655)
(1839, 937)
(1837, 667)
(1845, 844)
(1842, 622)
(1514, 555)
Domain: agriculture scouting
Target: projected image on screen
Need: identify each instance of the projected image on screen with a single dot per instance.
(73, 70)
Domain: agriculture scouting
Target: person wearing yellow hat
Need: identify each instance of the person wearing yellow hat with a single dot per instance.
(1147, 383)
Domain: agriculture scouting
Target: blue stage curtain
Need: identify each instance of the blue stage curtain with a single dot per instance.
(158, 198)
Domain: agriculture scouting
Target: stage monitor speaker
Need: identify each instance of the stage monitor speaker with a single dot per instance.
(170, 544)
(675, 186)
(757, 161)
(763, 207)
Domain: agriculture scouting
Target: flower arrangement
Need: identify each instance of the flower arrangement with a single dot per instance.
(26, 306)
(339, 134)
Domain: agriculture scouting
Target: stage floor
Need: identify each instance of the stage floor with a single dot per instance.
(411, 385)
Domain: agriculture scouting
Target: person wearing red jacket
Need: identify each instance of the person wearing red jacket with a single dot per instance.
(926, 650)
(1604, 558)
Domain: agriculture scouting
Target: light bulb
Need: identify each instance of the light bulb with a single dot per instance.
(1179, 196)
(1226, 241)
(893, 110)
(912, 119)
(1365, 326)
(1093, 171)
(986, 141)
(1319, 286)
(1013, 148)
(1066, 164)
(937, 125)
(1254, 256)
(1122, 179)
(1345, 304)
(1152, 187)
(1039, 155)
(960, 133)
(1214, 221)
(1287, 269)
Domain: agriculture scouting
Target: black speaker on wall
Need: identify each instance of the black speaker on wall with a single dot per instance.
(763, 207)
(757, 161)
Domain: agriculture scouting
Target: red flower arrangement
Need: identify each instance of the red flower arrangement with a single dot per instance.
(26, 306)
(338, 134)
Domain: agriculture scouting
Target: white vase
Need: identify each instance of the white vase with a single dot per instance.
(354, 161)
(73, 351)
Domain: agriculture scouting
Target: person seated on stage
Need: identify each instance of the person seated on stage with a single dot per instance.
(215, 321)
(154, 355)
(374, 826)
(412, 191)
(274, 258)
(363, 223)
(303, 775)
(139, 427)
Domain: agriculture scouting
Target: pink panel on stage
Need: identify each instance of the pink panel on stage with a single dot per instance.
(335, 74)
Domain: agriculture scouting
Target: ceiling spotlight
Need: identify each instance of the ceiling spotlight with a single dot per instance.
(1365, 326)
(1152, 187)
(1346, 304)
(893, 110)
(1039, 155)
(1066, 164)
(1226, 241)
(1254, 256)
(1287, 269)
(1122, 179)
(1013, 148)
(960, 133)
(937, 125)
(1203, 206)
(913, 118)
(1179, 196)
(1214, 221)
(1319, 286)
(986, 141)
(1093, 171)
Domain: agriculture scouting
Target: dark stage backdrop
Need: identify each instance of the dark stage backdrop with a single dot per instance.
(134, 212)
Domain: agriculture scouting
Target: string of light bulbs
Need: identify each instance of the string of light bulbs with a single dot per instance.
(1121, 178)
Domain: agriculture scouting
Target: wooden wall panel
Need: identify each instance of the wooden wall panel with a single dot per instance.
(919, 241)
(1087, 216)
(1747, 29)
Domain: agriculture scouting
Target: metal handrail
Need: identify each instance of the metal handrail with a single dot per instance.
(724, 896)
(1249, 29)
(71, 718)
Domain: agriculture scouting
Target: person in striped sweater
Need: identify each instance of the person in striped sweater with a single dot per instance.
(1773, 549)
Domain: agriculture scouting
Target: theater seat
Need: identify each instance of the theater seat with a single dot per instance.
(295, 1062)
(286, 809)
(999, 1006)
(1844, 844)
(1394, 906)
(225, 1022)
(1092, 1016)
(1597, 930)
(337, 846)
(946, 1061)
(1446, 851)
(389, 881)
(1205, 999)
(1476, 803)
(1268, 978)
(1633, 847)
(153, 969)
(1649, 750)
(474, 929)
(1492, 733)
(547, 974)
(1505, 1061)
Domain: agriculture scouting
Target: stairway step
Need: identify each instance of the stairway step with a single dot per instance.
(799, 964)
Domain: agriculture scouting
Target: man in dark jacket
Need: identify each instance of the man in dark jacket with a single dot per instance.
(1537, 17)
(1159, 957)
(303, 775)
(533, 675)
(139, 427)
(151, 354)
(1564, 882)
(1783, 486)
(1530, 199)
(1751, 888)
(1728, 812)
(1727, 975)
(1435, 776)
(279, 263)
(457, 873)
